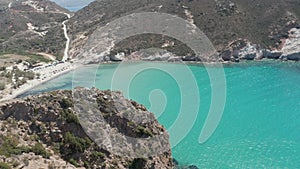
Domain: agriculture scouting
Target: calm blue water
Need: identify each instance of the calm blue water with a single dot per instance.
(260, 127)
(73, 8)
(73, 5)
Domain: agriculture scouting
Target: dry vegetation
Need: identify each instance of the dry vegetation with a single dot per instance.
(223, 21)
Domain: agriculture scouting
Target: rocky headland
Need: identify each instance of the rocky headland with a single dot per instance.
(47, 131)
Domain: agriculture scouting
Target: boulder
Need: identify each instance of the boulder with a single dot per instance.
(271, 54)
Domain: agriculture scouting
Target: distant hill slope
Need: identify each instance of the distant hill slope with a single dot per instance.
(223, 21)
(33, 26)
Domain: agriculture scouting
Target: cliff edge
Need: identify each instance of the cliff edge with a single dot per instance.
(49, 130)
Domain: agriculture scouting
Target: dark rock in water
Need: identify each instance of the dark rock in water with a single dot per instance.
(190, 58)
(177, 166)
(188, 167)
(191, 167)
(235, 53)
(271, 54)
(175, 162)
(226, 55)
(250, 56)
(293, 56)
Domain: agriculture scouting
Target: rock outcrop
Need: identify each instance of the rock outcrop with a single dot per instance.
(244, 50)
(291, 47)
(54, 130)
(240, 50)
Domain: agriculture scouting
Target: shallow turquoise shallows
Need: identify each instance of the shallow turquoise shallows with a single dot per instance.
(260, 127)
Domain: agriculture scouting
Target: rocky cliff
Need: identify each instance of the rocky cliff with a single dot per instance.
(50, 131)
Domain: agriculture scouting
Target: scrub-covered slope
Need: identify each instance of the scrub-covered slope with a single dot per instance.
(32, 26)
(264, 23)
(44, 131)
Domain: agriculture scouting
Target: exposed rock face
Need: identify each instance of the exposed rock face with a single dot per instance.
(249, 52)
(50, 119)
(152, 55)
(241, 50)
(291, 47)
(271, 54)
(245, 50)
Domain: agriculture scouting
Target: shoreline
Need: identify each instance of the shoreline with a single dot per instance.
(264, 60)
(70, 67)
(48, 72)
(36, 82)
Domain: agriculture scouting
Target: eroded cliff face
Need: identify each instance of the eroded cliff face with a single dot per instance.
(291, 46)
(55, 130)
(243, 49)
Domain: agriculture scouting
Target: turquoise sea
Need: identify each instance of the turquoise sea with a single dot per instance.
(260, 126)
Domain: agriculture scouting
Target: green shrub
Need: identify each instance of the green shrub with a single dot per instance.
(145, 131)
(76, 144)
(29, 75)
(4, 166)
(86, 164)
(96, 155)
(137, 163)
(38, 149)
(66, 103)
(73, 162)
(9, 146)
(2, 86)
(38, 58)
(56, 148)
(70, 117)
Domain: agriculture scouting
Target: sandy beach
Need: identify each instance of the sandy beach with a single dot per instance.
(47, 72)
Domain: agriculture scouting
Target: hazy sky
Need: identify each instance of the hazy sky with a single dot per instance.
(72, 3)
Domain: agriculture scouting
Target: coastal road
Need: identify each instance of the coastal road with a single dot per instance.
(65, 29)
(66, 52)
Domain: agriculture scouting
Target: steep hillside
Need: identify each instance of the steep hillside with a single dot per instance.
(33, 26)
(264, 23)
(44, 131)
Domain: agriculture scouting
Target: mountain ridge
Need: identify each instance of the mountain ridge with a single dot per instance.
(264, 24)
